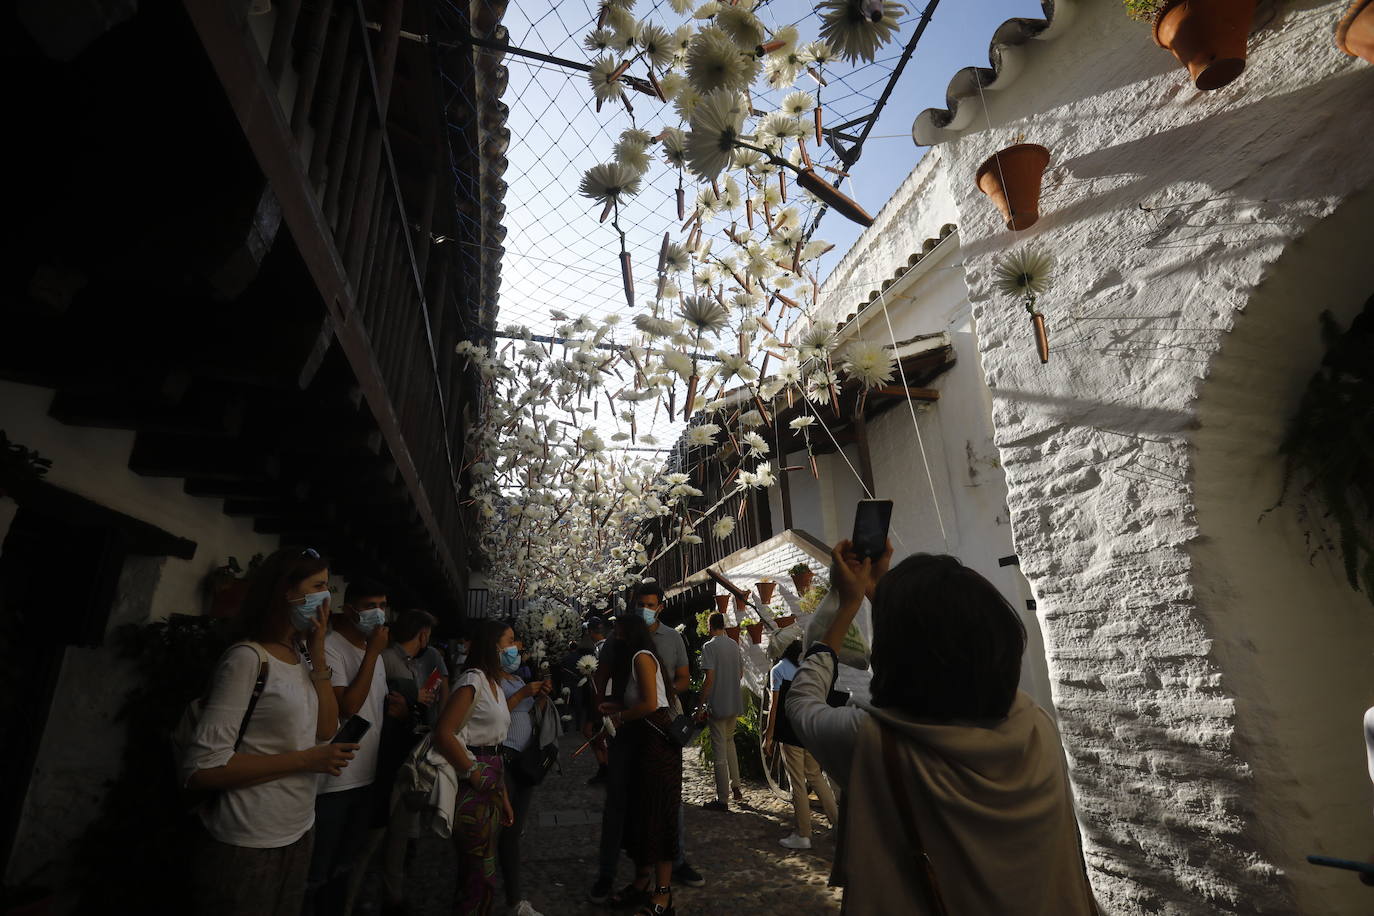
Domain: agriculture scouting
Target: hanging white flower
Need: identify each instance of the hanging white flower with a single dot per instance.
(751, 418)
(798, 103)
(715, 124)
(590, 442)
(818, 52)
(686, 102)
(1025, 273)
(678, 363)
(723, 527)
(676, 258)
(586, 665)
(818, 386)
(757, 445)
(733, 365)
(816, 343)
(801, 422)
(740, 23)
(851, 29)
(657, 44)
(610, 181)
(714, 61)
(606, 86)
(632, 155)
(550, 622)
(702, 434)
(691, 539)
(704, 314)
(655, 326)
(870, 363)
(675, 147)
(680, 6)
(620, 19)
(598, 40)
(671, 84)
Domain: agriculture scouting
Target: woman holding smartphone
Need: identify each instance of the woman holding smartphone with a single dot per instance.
(264, 764)
(470, 732)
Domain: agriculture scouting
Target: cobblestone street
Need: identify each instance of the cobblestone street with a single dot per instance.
(746, 871)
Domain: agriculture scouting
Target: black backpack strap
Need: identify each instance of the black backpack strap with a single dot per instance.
(924, 871)
(258, 688)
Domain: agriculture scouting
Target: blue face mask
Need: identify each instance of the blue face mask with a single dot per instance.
(650, 614)
(303, 614)
(371, 619)
(510, 659)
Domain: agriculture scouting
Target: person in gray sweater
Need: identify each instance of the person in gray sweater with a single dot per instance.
(956, 797)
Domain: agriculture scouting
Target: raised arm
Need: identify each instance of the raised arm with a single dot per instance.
(352, 696)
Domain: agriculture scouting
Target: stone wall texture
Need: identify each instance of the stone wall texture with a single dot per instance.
(1168, 210)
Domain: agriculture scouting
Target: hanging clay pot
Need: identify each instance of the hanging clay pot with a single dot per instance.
(802, 582)
(733, 633)
(766, 590)
(838, 201)
(1011, 177)
(755, 633)
(786, 620)
(1355, 32)
(1208, 37)
(1042, 338)
(723, 604)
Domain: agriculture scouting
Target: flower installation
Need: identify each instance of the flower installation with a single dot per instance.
(1025, 274)
(722, 330)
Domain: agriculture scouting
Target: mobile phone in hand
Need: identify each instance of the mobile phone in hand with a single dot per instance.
(871, 520)
(352, 731)
(432, 682)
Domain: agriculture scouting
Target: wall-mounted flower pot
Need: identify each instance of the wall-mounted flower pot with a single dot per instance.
(723, 603)
(755, 633)
(786, 620)
(733, 633)
(1355, 32)
(766, 590)
(802, 582)
(228, 597)
(1208, 37)
(1011, 177)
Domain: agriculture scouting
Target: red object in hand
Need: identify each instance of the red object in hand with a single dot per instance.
(432, 682)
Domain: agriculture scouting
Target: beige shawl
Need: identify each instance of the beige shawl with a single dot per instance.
(994, 813)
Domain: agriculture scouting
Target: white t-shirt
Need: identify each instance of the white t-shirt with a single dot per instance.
(632, 694)
(346, 659)
(272, 814)
(489, 721)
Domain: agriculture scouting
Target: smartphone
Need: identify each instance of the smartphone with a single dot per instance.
(352, 731)
(871, 520)
(1366, 867)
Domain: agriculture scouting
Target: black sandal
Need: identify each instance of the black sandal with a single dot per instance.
(629, 895)
(657, 909)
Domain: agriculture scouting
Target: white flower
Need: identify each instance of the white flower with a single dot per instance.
(801, 422)
(675, 147)
(724, 527)
(1026, 272)
(702, 434)
(632, 155)
(550, 622)
(678, 363)
(609, 181)
(704, 314)
(758, 446)
(855, 34)
(714, 61)
(590, 441)
(740, 23)
(677, 258)
(654, 326)
(603, 86)
(716, 124)
(598, 41)
(798, 103)
(815, 343)
(751, 418)
(671, 83)
(657, 44)
(818, 52)
(732, 365)
(691, 539)
(869, 363)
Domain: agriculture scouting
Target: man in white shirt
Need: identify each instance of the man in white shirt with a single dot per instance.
(723, 661)
(343, 806)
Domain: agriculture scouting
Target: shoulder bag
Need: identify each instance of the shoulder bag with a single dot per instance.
(201, 799)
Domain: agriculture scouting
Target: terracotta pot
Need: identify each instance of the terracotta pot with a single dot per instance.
(786, 620)
(832, 196)
(766, 590)
(723, 603)
(802, 582)
(1208, 37)
(1011, 177)
(755, 633)
(741, 605)
(228, 598)
(733, 633)
(1042, 338)
(1355, 32)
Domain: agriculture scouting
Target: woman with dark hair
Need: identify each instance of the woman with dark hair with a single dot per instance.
(471, 729)
(637, 703)
(956, 796)
(257, 744)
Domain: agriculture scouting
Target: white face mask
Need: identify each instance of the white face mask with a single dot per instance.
(371, 619)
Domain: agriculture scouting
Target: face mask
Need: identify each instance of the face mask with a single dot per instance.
(371, 619)
(650, 615)
(460, 656)
(510, 659)
(303, 614)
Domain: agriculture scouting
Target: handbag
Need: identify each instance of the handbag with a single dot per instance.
(532, 764)
(194, 800)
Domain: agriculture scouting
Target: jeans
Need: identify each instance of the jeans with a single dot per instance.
(341, 833)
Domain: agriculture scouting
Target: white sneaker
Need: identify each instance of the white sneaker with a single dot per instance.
(524, 908)
(792, 841)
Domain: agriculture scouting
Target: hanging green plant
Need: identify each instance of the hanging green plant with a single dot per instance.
(1143, 10)
(1328, 448)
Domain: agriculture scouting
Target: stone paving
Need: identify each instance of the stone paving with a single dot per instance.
(746, 871)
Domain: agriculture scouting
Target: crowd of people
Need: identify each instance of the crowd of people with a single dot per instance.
(953, 796)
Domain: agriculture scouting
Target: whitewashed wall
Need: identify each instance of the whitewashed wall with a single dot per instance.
(1208, 681)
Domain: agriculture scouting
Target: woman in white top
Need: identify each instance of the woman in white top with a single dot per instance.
(263, 767)
(637, 703)
(470, 732)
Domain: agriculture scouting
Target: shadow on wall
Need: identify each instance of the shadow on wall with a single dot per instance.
(1293, 638)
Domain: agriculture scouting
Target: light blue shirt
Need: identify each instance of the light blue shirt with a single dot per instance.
(521, 725)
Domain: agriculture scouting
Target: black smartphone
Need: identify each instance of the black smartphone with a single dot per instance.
(352, 731)
(1349, 864)
(871, 520)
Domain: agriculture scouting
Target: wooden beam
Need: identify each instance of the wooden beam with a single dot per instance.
(915, 394)
(168, 455)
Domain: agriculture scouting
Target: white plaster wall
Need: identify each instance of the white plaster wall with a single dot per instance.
(1101, 447)
(95, 464)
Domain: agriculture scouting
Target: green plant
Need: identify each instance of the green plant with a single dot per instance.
(748, 621)
(134, 856)
(748, 743)
(1328, 447)
(1143, 10)
(814, 596)
(704, 621)
(798, 569)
